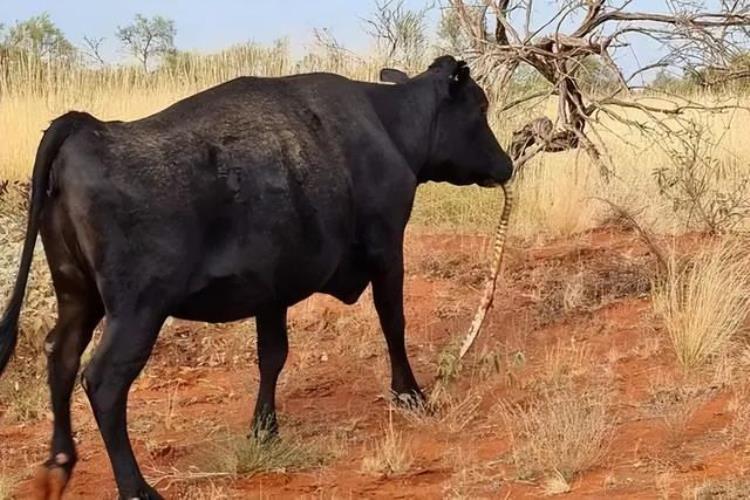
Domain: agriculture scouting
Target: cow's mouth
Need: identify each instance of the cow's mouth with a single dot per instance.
(489, 183)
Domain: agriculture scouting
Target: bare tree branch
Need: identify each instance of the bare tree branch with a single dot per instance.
(579, 33)
(92, 49)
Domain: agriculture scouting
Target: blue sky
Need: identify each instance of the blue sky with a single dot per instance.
(210, 25)
(206, 25)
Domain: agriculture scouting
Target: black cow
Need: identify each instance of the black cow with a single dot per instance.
(236, 202)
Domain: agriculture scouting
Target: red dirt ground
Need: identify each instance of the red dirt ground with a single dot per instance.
(590, 292)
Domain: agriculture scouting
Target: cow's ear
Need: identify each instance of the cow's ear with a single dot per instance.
(391, 75)
(451, 71)
(460, 76)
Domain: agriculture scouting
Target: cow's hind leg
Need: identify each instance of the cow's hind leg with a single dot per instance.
(77, 318)
(122, 354)
(273, 347)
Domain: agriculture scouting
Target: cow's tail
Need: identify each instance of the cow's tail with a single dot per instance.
(59, 130)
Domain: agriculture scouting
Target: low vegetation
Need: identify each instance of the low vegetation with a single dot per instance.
(704, 301)
(558, 436)
(234, 454)
(390, 454)
(24, 390)
(40, 299)
(25, 393)
(727, 489)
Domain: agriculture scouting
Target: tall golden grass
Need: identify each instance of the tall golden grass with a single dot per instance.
(557, 191)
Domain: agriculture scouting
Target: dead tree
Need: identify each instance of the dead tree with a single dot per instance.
(505, 35)
(93, 50)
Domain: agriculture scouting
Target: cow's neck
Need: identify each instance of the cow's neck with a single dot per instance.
(408, 113)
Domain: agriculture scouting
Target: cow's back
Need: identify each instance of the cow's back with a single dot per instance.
(225, 202)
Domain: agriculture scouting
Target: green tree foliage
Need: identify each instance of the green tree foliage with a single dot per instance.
(37, 37)
(734, 76)
(147, 39)
(451, 36)
(597, 78)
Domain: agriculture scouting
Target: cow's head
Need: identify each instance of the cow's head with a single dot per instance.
(463, 148)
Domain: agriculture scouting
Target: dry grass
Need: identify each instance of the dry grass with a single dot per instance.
(556, 484)
(232, 454)
(471, 475)
(739, 406)
(6, 486)
(23, 388)
(35, 91)
(556, 191)
(450, 412)
(390, 455)
(564, 362)
(727, 489)
(674, 405)
(563, 289)
(559, 435)
(458, 413)
(26, 398)
(40, 300)
(704, 303)
(208, 492)
(554, 197)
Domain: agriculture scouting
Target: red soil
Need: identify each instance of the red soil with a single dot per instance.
(203, 378)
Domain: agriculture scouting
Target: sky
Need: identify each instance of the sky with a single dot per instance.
(207, 26)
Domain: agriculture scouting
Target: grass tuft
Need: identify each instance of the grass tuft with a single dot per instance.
(390, 455)
(556, 484)
(704, 303)
(234, 454)
(727, 489)
(559, 435)
(6, 486)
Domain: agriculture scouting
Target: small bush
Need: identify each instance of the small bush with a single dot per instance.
(705, 192)
(559, 435)
(704, 303)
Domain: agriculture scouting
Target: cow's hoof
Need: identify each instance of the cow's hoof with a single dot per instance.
(50, 481)
(265, 429)
(412, 401)
(264, 435)
(144, 493)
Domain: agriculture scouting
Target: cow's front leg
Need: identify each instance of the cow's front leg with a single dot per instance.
(388, 294)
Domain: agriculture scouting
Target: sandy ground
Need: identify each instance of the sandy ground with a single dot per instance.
(570, 315)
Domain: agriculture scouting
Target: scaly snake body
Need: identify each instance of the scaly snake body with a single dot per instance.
(498, 250)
